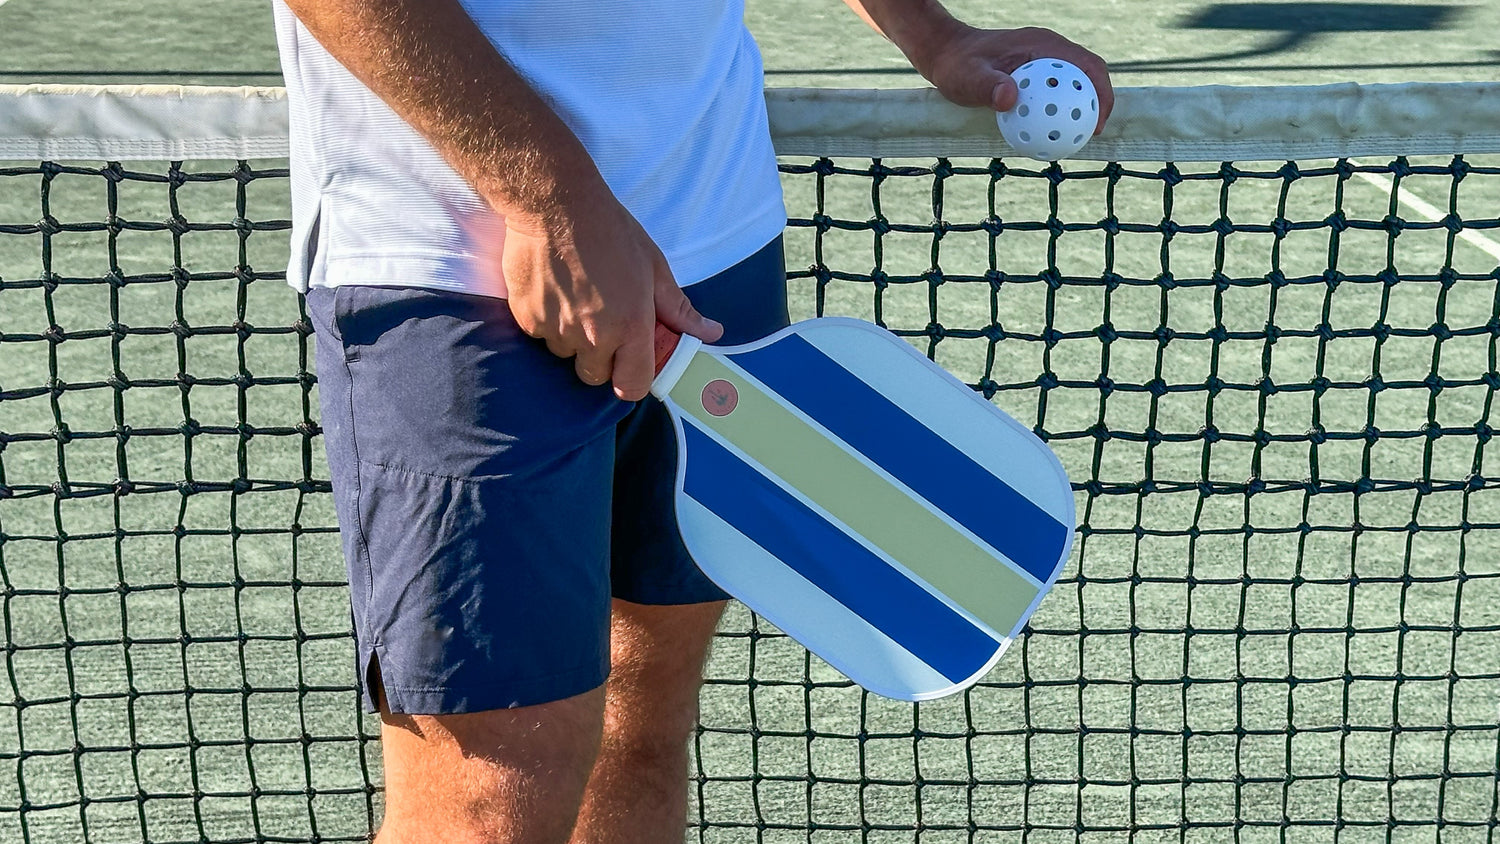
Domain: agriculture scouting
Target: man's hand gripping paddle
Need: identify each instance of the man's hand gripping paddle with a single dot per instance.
(864, 500)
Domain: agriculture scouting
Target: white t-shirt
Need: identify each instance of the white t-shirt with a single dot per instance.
(666, 96)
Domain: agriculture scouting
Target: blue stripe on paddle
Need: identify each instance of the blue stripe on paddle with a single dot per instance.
(831, 560)
(926, 463)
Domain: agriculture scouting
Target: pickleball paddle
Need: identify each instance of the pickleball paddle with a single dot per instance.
(864, 500)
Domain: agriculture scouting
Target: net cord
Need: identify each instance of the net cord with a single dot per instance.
(1205, 123)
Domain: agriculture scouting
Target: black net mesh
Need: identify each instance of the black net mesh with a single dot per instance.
(1271, 384)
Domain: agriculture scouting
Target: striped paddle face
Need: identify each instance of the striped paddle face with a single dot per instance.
(866, 502)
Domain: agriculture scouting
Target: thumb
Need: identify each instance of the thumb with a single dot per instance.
(1004, 94)
(982, 86)
(675, 311)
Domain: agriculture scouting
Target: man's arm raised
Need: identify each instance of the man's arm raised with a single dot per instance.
(581, 272)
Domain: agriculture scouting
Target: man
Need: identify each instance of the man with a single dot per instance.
(494, 203)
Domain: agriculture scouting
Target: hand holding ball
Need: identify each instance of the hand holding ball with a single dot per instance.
(1056, 113)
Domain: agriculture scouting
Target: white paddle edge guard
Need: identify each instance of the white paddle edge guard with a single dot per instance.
(671, 371)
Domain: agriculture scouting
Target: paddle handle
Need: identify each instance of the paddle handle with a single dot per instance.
(666, 344)
(673, 351)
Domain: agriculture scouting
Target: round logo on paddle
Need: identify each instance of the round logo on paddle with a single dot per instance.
(720, 397)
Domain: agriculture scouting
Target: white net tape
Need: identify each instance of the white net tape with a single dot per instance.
(1209, 123)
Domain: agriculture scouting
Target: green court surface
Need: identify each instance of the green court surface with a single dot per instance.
(1281, 622)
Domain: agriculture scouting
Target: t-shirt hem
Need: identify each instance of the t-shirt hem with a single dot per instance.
(709, 260)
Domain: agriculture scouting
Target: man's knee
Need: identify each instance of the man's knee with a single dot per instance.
(513, 775)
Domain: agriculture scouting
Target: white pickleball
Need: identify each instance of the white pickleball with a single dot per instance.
(1056, 113)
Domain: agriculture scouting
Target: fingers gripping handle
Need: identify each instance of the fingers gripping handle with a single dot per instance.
(673, 352)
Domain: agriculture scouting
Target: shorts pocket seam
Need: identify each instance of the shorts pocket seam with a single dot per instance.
(436, 476)
(338, 316)
(359, 486)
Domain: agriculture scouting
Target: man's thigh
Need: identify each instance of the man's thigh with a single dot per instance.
(658, 651)
(513, 775)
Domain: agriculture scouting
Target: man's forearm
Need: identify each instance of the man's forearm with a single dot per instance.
(916, 27)
(431, 64)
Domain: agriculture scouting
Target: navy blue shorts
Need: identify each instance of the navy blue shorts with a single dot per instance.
(490, 503)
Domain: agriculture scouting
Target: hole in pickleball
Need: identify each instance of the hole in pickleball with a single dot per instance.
(1051, 109)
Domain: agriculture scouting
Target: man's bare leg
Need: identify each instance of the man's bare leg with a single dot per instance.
(508, 776)
(638, 791)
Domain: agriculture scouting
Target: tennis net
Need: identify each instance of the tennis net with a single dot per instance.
(1259, 326)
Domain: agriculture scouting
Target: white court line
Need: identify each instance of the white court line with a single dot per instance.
(1433, 214)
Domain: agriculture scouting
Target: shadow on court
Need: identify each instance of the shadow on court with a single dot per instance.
(1289, 28)
(1296, 26)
